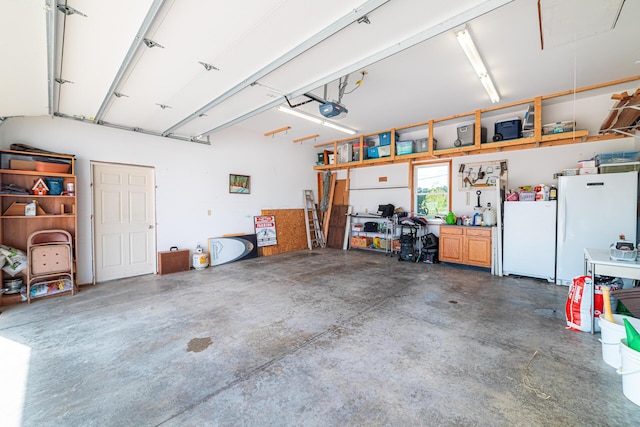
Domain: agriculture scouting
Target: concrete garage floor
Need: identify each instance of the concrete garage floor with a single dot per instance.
(322, 338)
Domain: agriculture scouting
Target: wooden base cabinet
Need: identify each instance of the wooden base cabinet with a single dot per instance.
(465, 245)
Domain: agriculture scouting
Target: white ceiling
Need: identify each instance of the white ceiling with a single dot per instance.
(266, 49)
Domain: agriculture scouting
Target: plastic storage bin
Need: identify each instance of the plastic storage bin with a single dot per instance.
(620, 167)
(558, 127)
(466, 134)
(404, 147)
(385, 138)
(421, 145)
(617, 157)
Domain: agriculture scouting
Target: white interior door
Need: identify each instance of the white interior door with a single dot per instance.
(124, 220)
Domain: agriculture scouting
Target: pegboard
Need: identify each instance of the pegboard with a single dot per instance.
(481, 174)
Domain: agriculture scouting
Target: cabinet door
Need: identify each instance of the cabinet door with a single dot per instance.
(477, 251)
(450, 247)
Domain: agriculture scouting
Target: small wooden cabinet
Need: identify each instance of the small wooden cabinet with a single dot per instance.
(465, 245)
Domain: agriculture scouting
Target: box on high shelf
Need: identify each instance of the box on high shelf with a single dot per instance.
(617, 157)
(587, 164)
(466, 134)
(378, 151)
(558, 127)
(588, 171)
(507, 129)
(420, 145)
(385, 138)
(404, 147)
(620, 167)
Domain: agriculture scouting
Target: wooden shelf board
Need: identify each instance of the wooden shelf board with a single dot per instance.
(34, 196)
(508, 143)
(37, 216)
(565, 135)
(35, 173)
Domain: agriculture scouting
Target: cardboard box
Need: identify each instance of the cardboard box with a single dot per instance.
(361, 242)
(25, 165)
(588, 171)
(587, 164)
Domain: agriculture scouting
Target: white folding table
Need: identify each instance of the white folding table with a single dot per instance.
(598, 261)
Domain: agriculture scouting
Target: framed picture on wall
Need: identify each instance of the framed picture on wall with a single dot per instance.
(239, 184)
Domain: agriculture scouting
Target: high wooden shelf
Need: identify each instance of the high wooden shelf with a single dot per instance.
(55, 211)
(478, 147)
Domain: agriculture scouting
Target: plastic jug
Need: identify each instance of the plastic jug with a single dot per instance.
(450, 218)
(477, 219)
(489, 216)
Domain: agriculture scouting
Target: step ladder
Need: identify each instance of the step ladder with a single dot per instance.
(314, 232)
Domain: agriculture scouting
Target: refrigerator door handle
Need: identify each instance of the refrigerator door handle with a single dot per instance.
(564, 221)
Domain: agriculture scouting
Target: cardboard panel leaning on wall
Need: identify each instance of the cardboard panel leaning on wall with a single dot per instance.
(291, 231)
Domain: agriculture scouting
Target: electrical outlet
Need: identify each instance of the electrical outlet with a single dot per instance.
(209, 212)
(468, 199)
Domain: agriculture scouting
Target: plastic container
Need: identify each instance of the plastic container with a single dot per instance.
(620, 167)
(630, 372)
(30, 209)
(404, 147)
(617, 157)
(55, 185)
(527, 196)
(421, 145)
(558, 127)
(52, 167)
(611, 334)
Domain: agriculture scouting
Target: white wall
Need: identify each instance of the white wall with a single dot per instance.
(191, 178)
(525, 167)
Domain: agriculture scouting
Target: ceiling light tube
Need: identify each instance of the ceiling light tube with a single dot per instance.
(301, 115)
(469, 48)
(338, 127)
(316, 120)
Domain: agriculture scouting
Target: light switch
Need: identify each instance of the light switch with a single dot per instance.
(209, 211)
(468, 199)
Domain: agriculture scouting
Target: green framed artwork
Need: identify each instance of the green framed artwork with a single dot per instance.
(239, 184)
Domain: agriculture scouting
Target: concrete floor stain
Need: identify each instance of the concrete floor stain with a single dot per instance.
(199, 344)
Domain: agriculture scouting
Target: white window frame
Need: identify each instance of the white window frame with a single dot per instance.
(416, 185)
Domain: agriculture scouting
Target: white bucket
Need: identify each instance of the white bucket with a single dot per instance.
(611, 335)
(630, 372)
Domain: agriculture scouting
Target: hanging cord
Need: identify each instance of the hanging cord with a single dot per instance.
(359, 82)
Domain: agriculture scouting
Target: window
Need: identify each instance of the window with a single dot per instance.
(431, 189)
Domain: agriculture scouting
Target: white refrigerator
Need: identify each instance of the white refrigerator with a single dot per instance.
(529, 240)
(593, 210)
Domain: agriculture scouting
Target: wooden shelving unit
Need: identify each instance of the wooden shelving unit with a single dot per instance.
(538, 139)
(55, 212)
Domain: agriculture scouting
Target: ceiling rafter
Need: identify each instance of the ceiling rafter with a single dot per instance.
(327, 32)
(422, 36)
(138, 41)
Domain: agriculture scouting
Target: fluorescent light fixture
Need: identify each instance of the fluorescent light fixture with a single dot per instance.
(301, 115)
(338, 127)
(316, 120)
(469, 47)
